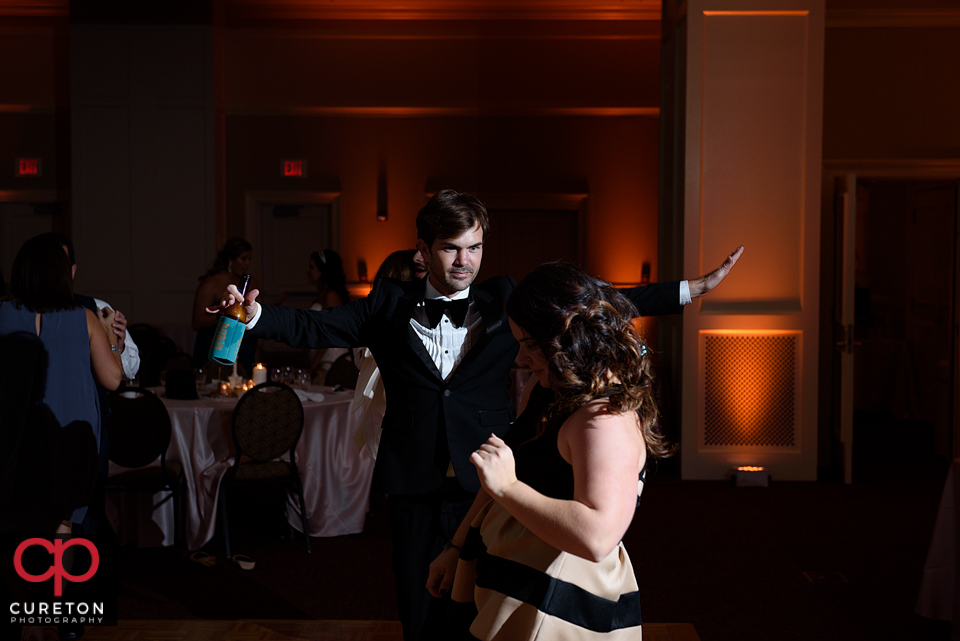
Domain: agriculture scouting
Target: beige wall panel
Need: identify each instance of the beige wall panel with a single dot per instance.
(99, 62)
(754, 81)
(142, 113)
(175, 53)
(752, 177)
(101, 196)
(171, 207)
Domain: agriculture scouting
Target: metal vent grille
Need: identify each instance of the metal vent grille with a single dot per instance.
(750, 390)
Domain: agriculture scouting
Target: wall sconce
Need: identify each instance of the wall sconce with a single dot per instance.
(382, 192)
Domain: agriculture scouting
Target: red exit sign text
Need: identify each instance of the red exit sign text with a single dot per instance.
(29, 167)
(295, 168)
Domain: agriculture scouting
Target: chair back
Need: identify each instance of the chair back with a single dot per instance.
(267, 422)
(139, 427)
(343, 372)
(155, 350)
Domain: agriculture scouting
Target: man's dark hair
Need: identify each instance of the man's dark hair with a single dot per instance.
(64, 242)
(449, 214)
(41, 280)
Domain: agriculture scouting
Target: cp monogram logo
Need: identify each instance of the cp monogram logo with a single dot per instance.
(56, 570)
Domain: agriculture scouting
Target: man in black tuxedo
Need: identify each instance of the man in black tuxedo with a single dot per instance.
(445, 350)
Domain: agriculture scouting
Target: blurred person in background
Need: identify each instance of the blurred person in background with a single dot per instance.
(325, 272)
(230, 265)
(369, 399)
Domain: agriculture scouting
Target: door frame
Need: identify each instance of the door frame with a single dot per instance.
(913, 169)
(253, 200)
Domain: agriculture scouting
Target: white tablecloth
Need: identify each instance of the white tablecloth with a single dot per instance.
(336, 477)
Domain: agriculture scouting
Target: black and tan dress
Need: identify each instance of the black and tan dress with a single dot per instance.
(527, 589)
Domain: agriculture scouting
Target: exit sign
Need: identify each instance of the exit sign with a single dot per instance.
(29, 167)
(294, 168)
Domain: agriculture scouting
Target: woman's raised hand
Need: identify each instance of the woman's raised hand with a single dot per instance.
(495, 466)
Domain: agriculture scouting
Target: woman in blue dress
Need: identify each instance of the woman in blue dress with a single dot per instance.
(78, 350)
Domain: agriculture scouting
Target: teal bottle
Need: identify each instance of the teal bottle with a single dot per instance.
(230, 329)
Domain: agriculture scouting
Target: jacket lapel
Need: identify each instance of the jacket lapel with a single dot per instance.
(401, 319)
(491, 313)
(489, 309)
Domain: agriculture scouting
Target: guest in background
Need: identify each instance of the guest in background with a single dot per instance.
(230, 265)
(112, 319)
(560, 490)
(419, 265)
(369, 399)
(80, 353)
(113, 322)
(325, 272)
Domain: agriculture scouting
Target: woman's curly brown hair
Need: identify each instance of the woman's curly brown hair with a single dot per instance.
(583, 327)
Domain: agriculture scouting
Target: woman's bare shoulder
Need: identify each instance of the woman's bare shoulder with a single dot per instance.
(599, 416)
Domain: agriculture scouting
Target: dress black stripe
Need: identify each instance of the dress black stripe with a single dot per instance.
(557, 598)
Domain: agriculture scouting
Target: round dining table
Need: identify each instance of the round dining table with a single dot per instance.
(336, 474)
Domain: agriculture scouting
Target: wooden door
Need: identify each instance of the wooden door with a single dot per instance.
(844, 314)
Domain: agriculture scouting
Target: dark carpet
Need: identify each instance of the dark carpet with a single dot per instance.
(729, 560)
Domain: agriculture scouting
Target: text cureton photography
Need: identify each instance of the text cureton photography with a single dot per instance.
(59, 580)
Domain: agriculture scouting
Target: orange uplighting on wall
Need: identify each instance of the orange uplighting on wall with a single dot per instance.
(750, 388)
(359, 290)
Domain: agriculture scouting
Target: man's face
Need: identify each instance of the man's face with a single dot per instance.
(453, 263)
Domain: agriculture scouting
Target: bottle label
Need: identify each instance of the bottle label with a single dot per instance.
(226, 341)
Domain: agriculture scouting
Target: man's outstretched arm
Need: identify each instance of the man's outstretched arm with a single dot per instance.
(705, 284)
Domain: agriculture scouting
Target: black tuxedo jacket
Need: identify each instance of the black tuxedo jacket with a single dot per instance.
(430, 422)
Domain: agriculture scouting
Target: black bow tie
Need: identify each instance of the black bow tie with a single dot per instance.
(457, 308)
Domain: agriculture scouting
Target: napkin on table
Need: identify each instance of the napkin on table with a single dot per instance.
(316, 397)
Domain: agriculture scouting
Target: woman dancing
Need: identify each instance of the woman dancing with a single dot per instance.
(542, 557)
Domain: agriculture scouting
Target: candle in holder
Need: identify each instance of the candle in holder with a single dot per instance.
(259, 374)
(235, 380)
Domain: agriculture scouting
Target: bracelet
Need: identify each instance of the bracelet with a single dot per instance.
(450, 544)
(113, 348)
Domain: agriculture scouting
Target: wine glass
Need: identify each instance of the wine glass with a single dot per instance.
(302, 379)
